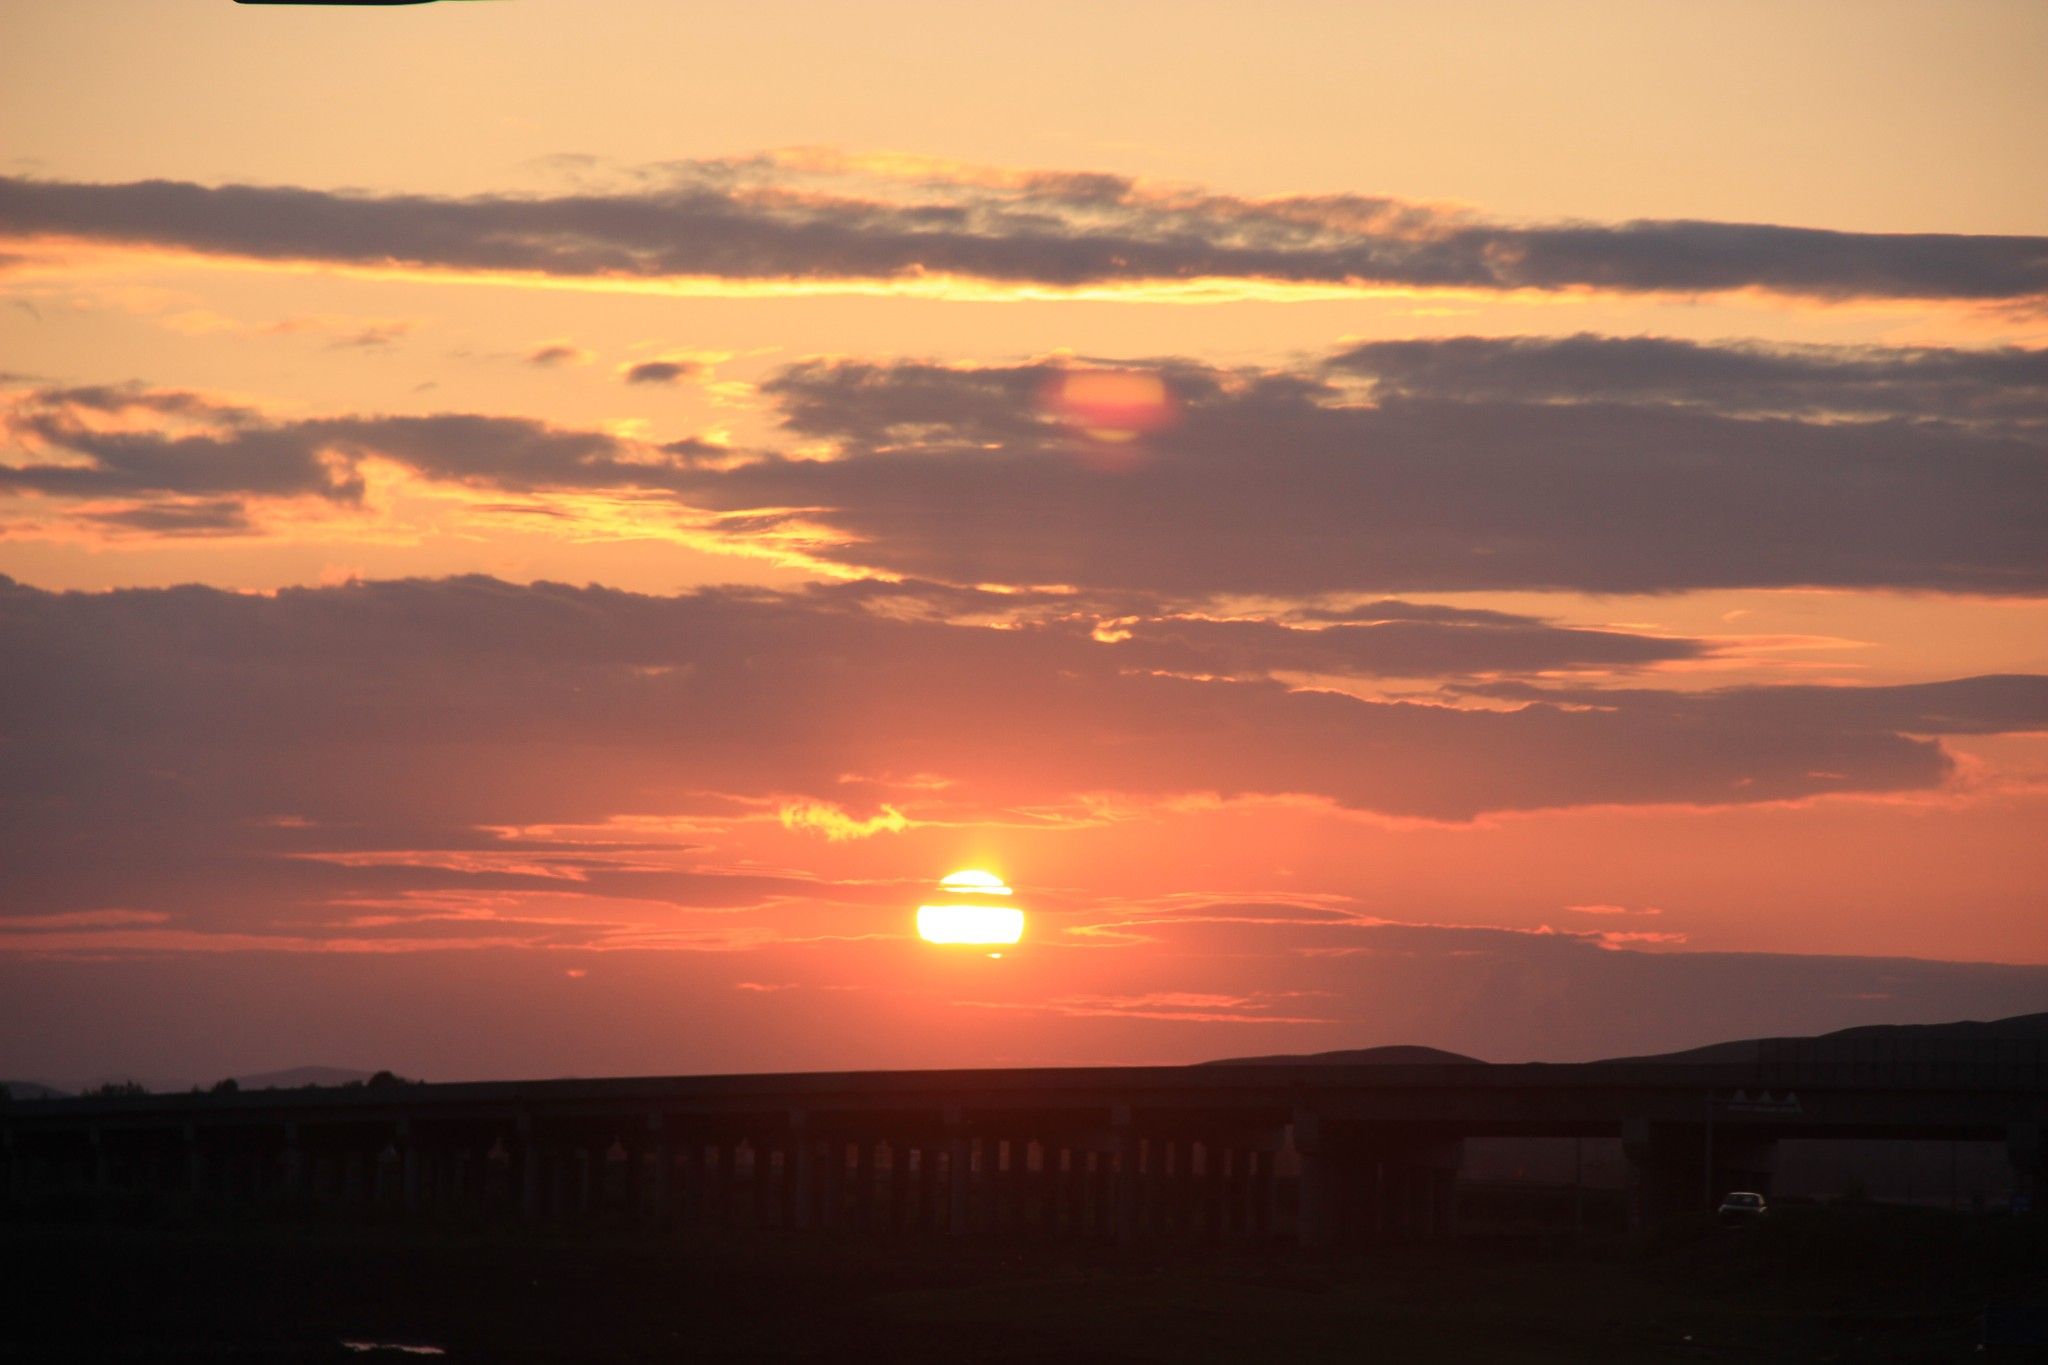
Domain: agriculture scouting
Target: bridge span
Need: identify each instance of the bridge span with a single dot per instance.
(1316, 1154)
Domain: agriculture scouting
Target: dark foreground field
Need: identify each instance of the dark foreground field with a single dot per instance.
(1848, 1284)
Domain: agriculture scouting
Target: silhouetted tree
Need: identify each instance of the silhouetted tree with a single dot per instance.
(386, 1080)
(119, 1088)
(229, 1086)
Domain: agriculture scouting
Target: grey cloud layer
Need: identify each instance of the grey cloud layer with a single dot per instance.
(149, 725)
(2004, 385)
(1278, 482)
(1384, 648)
(207, 758)
(1052, 230)
(238, 452)
(1587, 463)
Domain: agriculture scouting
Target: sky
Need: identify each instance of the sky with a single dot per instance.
(532, 535)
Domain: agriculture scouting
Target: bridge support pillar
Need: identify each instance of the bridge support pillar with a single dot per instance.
(832, 1187)
(454, 1181)
(861, 1216)
(1667, 1165)
(195, 1163)
(720, 1184)
(797, 1171)
(531, 1160)
(662, 1179)
(762, 1172)
(899, 1184)
(292, 1163)
(2028, 1154)
(560, 1161)
(1126, 1194)
(1440, 1161)
(409, 1157)
(959, 1172)
(1268, 1201)
(1315, 1215)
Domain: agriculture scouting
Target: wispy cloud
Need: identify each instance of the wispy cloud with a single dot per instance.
(661, 371)
(554, 353)
(811, 220)
(830, 820)
(1185, 1007)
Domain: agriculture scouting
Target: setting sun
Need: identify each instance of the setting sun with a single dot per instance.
(968, 921)
(975, 883)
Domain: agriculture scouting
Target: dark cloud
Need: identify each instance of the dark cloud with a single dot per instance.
(155, 738)
(210, 517)
(1385, 638)
(553, 354)
(662, 371)
(1970, 706)
(1275, 482)
(2005, 384)
(755, 221)
(1390, 648)
(231, 450)
(211, 451)
(1388, 609)
(1478, 465)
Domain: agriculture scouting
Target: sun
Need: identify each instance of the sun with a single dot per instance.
(965, 917)
(975, 883)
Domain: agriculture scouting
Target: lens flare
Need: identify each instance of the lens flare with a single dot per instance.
(1112, 406)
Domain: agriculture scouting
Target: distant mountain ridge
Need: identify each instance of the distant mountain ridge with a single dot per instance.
(2028, 1027)
(1398, 1054)
(2020, 1026)
(1740, 1050)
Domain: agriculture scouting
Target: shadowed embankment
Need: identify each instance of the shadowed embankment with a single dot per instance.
(1847, 1283)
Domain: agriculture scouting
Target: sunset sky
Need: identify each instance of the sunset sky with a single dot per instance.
(533, 535)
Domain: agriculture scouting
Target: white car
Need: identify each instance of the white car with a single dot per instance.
(1743, 1204)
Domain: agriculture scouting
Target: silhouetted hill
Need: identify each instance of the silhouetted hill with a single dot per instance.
(1750, 1049)
(2018, 1026)
(1399, 1054)
(2028, 1026)
(295, 1077)
(30, 1090)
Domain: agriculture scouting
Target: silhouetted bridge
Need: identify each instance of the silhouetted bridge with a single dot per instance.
(1318, 1154)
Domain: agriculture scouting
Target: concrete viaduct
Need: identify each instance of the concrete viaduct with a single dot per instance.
(1315, 1154)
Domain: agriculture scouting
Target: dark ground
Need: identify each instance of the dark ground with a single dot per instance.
(1845, 1284)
